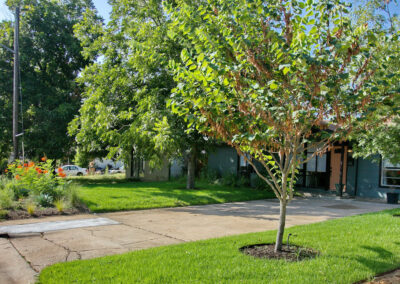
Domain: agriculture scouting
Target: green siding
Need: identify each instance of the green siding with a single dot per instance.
(368, 179)
(223, 160)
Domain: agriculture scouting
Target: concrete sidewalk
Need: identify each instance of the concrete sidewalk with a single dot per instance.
(23, 256)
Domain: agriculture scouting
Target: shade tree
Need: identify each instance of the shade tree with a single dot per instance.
(125, 111)
(50, 61)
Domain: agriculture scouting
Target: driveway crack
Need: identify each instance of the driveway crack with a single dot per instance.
(23, 257)
(68, 250)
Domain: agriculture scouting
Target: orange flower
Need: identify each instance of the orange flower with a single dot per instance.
(37, 168)
(19, 167)
(44, 159)
(6, 171)
(39, 171)
(25, 164)
(17, 177)
(31, 164)
(60, 170)
(63, 175)
(45, 171)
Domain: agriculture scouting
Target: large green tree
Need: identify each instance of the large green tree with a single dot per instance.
(50, 61)
(6, 86)
(126, 90)
(273, 78)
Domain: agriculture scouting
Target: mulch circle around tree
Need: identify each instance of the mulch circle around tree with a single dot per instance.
(291, 253)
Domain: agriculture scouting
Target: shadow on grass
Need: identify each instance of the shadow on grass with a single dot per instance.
(383, 261)
(382, 253)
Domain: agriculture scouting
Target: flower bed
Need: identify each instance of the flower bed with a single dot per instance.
(34, 188)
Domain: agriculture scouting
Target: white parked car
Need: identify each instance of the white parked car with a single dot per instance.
(117, 170)
(72, 170)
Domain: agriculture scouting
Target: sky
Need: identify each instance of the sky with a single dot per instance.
(104, 10)
(102, 7)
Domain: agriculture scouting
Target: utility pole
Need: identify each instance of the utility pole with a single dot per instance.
(16, 85)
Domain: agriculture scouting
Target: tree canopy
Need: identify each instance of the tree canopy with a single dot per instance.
(50, 61)
(127, 88)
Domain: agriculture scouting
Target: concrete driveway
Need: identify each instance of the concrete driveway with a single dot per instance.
(23, 256)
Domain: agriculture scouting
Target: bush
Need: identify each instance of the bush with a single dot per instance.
(44, 200)
(3, 213)
(71, 195)
(60, 205)
(235, 180)
(209, 175)
(258, 182)
(6, 198)
(30, 207)
(37, 180)
(36, 185)
(3, 165)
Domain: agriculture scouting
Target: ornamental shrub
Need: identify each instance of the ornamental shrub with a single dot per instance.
(34, 183)
(37, 180)
(6, 198)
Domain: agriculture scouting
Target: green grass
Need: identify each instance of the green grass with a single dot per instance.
(351, 249)
(93, 179)
(107, 196)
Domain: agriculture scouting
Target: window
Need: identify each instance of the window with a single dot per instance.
(390, 174)
(317, 163)
(243, 161)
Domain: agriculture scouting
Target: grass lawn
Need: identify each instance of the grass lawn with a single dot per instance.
(107, 195)
(351, 249)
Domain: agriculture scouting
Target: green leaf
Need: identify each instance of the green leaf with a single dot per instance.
(285, 70)
(273, 86)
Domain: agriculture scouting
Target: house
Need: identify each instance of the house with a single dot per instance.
(360, 177)
(143, 170)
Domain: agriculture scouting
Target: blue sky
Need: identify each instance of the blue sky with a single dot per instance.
(104, 9)
(102, 6)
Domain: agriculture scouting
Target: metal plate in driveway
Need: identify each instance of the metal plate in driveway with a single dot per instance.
(55, 226)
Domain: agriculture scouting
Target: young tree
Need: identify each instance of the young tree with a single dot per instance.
(126, 91)
(273, 78)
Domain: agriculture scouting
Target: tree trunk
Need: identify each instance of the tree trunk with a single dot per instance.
(191, 170)
(281, 229)
(138, 160)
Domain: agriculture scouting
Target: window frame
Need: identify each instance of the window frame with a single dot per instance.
(382, 176)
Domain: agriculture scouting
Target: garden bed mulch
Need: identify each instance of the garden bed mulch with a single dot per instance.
(391, 277)
(291, 253)
(42, 212)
